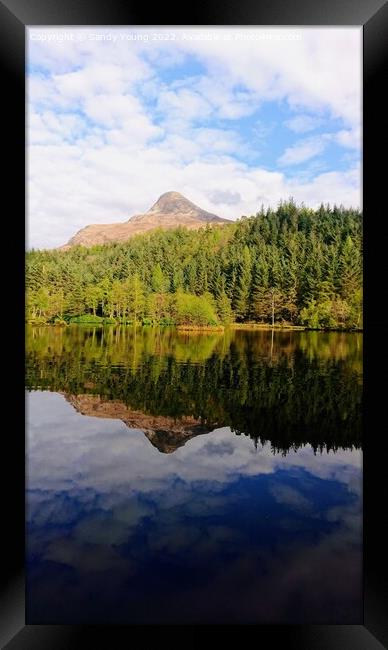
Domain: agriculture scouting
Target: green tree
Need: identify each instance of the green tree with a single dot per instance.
(42, 302)
(92, 297)
(194, 310)
(269, 304)
(350, 268)
(224, 309)
(242, 304)
(136, 298)
(104, 287)
(159, 283)
(158, 306)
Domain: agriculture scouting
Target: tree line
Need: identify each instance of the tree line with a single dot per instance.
(290, 265)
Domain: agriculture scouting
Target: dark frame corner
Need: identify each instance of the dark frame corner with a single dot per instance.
(372, 15)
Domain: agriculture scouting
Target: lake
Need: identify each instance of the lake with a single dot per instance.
(193, 478)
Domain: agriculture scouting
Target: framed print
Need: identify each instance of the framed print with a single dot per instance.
(202, 426)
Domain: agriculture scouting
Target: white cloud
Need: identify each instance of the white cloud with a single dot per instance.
(303, 123)
(101, 79)
(333, 187)
(350, 138)
(226, 197)
(321, 70)
(303, 150)
(184, 103)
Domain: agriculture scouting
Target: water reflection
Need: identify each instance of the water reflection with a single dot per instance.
(217, 528)
(295, 390)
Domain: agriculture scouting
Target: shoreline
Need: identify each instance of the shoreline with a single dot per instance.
(266, 326)
(206, 328)
(199, 328)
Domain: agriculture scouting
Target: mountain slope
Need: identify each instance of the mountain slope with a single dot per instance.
(171, 210)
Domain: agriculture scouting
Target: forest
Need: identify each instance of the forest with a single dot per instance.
(289, 266)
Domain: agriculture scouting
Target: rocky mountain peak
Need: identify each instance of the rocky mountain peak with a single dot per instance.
(171, 210)
(171, 202)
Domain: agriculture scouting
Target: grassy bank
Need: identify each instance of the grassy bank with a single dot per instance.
(266, 326)
(200, 328)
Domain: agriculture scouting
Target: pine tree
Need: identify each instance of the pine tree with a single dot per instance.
(224, 309)
(350, 268)
(159, 282)
(242, 300)
(260, 284)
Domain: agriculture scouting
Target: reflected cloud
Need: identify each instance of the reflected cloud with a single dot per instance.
(217, 531)
(290, 497)
(102, 454)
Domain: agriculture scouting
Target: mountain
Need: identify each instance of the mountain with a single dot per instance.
(164, 432)
(172, 209)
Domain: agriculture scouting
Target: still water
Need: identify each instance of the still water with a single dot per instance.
(193, 478)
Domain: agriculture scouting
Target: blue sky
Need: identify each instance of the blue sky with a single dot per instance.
(232, 118)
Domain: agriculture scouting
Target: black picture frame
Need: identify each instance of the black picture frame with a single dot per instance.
(15, 15)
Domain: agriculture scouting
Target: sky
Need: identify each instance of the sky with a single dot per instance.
(232, 118)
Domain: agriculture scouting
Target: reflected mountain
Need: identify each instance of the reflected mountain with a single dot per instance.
(286, 388)
(165, 433)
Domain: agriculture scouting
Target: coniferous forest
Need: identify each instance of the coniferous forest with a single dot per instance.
(289, 266)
